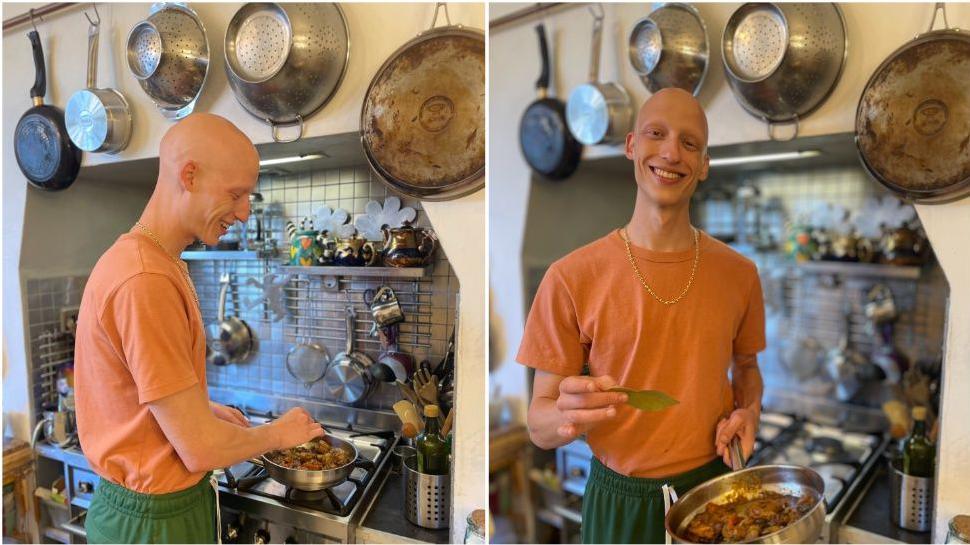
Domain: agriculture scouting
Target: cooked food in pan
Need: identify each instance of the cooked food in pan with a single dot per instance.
(745, 517)
(312, 456)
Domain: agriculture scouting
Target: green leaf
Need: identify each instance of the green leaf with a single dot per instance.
(646, 400)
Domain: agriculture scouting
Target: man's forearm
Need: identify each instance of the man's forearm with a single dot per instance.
(747, 384)
(544, 422)
(227, 444)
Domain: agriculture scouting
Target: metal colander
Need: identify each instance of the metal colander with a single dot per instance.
(760, 40)
(168, 53)
(668, 48)
(783, 60)
(262, 44)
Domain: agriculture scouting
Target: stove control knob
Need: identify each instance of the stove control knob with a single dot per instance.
(232, 533)
(260, 536)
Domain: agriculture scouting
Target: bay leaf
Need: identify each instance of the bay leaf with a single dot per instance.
(646, 400)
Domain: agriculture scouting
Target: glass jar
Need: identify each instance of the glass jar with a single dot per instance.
(959, 531)
(475, 527)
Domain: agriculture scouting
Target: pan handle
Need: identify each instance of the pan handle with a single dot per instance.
(594, 61)
(94, 33)
(773, 124)
(940, 6)
(40, 79)
(350, 330)
(276, 135)
(222, 297)
(437, 6)
(542, 84)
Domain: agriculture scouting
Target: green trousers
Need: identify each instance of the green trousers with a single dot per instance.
(621, 509)
(119, 515)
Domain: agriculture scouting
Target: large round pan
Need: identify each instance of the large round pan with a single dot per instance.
(913, 118)
(785, 479)
(423, 119)
(309, 480)
(44, 152)
(546, 142)
(98, 120)
(599, 112)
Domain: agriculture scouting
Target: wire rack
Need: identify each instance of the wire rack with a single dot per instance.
(54, 349)
(315, 310)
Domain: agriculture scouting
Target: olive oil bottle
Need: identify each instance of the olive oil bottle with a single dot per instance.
(919, 454)
(432, 448)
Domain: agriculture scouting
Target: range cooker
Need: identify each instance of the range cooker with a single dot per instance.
(257, 509)
(844, 460)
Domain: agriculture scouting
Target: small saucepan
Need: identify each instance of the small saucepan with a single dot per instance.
(313, 480)
(232, 340)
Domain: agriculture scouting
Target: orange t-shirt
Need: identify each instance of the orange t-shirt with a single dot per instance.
(592, 308)
(139, 339)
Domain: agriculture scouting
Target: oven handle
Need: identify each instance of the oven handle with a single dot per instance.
(76, 525)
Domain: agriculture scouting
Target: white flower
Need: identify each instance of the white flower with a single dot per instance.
(334, 222)
(377, 216)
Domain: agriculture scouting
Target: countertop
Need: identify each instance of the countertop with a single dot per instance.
(871, 516)
(386, 519)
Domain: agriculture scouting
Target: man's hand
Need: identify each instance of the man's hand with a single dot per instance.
(295, 427)
(742, 423)
(585, 402)
(233, 416)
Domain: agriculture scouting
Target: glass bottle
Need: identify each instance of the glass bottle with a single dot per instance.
(919, 454)
(432, 448)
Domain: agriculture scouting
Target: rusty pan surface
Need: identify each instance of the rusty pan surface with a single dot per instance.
(423, 118)
(913, 119)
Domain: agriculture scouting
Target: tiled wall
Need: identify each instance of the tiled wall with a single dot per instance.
(801, 304)
(430, 308)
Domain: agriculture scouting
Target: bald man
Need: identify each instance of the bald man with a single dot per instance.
(144, 418)
(654, 305)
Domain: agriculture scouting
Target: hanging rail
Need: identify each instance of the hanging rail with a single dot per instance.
(36, 13)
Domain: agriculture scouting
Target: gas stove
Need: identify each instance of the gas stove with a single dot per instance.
(257, 509)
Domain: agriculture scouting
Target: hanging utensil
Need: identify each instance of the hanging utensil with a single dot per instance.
(98, 120)
(400, 363)
(546, 142)
(285, 61)
(232, 340)
(168, 53)
(911, 122)
(347, 379)
(44, 152)
(385, 307)
(307, 361)
(422, 122)
(668, 48)
(598, 112)
(783, 60)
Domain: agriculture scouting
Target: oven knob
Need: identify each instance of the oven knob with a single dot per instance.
(260, 536)
(232, 533)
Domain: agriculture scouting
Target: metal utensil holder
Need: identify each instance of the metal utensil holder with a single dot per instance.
(427, 497)
(911, 500)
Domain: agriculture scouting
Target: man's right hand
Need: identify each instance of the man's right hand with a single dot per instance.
(585, 402)
(295, 428)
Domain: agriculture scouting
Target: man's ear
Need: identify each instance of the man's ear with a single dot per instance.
(630, 145)
(188, 176)
(704, 168)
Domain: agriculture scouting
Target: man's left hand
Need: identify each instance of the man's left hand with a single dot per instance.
(744, 424)
(233, 416)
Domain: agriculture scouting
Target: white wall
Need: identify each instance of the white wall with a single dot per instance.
(376, 31)
(874, 31)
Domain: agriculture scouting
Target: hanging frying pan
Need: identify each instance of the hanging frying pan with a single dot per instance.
(45, 154)
(422, 123)
(98, 120)
(546, 142)
(913, 120)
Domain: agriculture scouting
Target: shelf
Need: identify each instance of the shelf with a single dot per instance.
(218, 255)
(860, 269)
(385, 272)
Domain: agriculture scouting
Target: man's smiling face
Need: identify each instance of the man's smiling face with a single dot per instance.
(668, 147)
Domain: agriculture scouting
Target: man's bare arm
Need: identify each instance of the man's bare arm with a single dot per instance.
(564, 407)
(205, 442)
(748, 387)
(746, 383)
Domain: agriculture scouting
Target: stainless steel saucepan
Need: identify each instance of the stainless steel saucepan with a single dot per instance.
(783, 479)
(598, 112)
(313, 480)
(98, 120)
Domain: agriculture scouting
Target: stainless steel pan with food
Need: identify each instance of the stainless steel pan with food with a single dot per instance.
(311, 480)
(802, 483)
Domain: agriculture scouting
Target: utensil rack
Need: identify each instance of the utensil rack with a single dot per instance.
(53, 348)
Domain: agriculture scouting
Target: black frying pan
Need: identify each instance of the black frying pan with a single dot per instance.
(45, 154)
(546, 142)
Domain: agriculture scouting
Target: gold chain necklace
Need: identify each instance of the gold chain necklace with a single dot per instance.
(178, 262)
(697, 257)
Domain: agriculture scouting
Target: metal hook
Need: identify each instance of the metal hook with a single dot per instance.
(32, 19)
(96, 14)
(594, 8)
(438, 6)
(940, 6)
